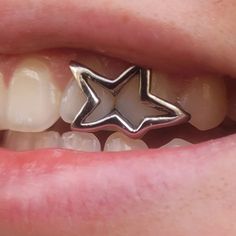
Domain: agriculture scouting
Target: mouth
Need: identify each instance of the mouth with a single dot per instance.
(52, 176)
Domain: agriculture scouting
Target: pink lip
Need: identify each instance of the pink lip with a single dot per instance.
(152, 35)
(59, 192)
(55, 191)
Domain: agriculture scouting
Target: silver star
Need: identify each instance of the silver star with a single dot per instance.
(115, 120)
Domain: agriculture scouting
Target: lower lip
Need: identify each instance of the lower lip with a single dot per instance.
(55, 190)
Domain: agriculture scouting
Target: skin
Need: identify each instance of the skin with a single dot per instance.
(190, 191)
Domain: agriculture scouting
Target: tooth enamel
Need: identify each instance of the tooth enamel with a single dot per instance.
(33, 98)
(164, 87)
(50, 139)
(106, 105)
(72, 100)
(80, 141)
(128, 103)
(119, 142)
(177, 142)
(231, 88)
(3, 98)
(24, 141)
(19, 141)
(205, 99)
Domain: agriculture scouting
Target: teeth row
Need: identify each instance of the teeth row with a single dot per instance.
(32, 101)
(205, 98)
(20, 141)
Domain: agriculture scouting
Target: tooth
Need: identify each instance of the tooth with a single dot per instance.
(177, 142)
(80, 141)
(129, 98)
(33, 97)
(205, 99)
(231, 88)
(3, 98)
(19, 141)
(49, 139)
(72, 101)
(165, 87)
(106, 105)
(119, 142)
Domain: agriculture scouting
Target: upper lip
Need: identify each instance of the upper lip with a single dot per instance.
(150, 37)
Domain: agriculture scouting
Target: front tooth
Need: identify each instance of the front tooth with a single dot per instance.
(73, 99)
(107, 103)
(129, 98)
(80, 141)
(33, 97)
(3, 98)
(177, 142)
(50, 139)
(19, 141)
(205, 99)
(119, 142)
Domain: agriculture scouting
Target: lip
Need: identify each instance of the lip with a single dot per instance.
(149, 35)
(61, 192)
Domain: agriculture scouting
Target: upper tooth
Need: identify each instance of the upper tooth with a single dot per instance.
(231, 88)
(106, 105)
(129, 104)
(72, 101)
(33, 98)
(165, 87)
(3, 97)
(205, 99)
(81, 141)
(119, 142)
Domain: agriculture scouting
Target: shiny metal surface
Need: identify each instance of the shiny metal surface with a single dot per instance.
(115, 120)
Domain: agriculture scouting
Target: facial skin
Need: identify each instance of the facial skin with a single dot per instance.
(187, 192)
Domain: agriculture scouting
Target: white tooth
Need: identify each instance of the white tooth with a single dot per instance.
(205, 99)
(119, 142)
(3, 98)
(81, 141)
(231, 88)
(72, 101)
(50, 139)
(106, 105)
(165, 87)
(128, 103)
(19, 141)
(177, 142)
(33, 97)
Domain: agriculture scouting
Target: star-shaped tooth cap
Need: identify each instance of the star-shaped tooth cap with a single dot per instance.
(114, 120)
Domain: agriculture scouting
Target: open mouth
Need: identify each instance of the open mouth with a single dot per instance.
(41, 99)
(49, 174)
